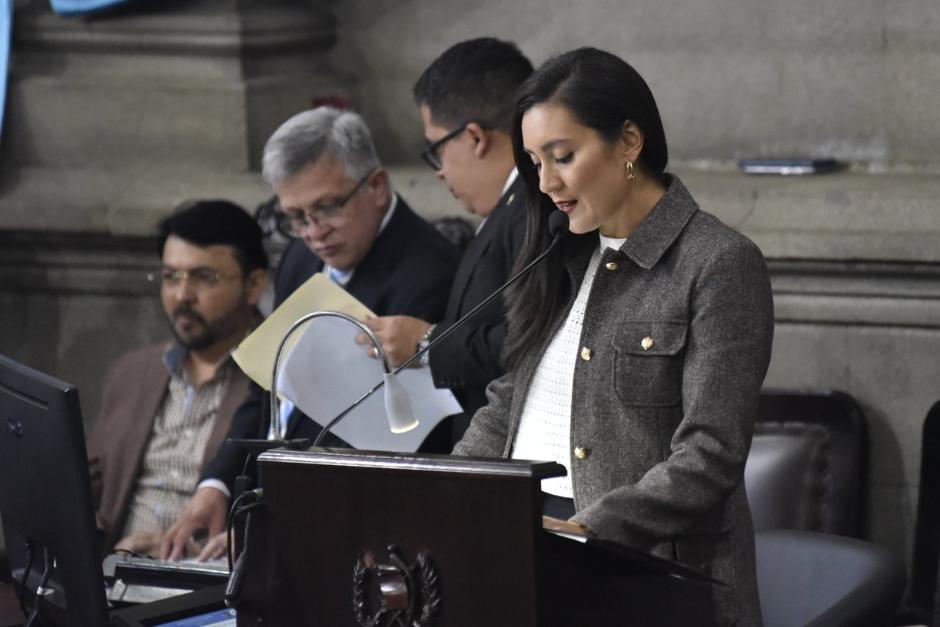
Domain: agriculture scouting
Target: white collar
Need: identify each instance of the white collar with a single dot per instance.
(610, 242)
(509, 181)
(513, 174)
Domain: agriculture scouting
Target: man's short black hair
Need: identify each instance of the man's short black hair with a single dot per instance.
(474, 80)
(210, 222)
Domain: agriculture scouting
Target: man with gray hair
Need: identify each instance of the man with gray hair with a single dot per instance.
(335, 197)
(337, 201)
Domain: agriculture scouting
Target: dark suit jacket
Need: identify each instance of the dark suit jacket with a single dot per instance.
(133, 391)
(470, 357)
(679, 326)
(407, 271)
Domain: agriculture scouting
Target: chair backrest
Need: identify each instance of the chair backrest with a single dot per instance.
(924, 590)
(821, 580)
(806, 469)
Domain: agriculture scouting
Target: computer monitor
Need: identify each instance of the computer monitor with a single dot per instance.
(45, 492)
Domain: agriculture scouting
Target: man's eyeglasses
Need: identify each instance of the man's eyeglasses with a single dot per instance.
(297, 221)
(198, 278)
(432, 155)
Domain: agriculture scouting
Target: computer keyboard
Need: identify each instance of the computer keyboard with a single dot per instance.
(142, 580)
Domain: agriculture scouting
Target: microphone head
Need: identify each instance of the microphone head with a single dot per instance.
(398, 408)
(558, 224)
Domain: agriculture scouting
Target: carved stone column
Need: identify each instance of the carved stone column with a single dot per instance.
(111, 121)
(114, 117)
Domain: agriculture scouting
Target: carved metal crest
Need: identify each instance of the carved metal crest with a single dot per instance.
(409, 596)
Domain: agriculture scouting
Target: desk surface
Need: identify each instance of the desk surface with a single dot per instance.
(9, 607)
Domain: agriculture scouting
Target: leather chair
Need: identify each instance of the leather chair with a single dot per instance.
(806, 468)
(921, 605)
(813, 579)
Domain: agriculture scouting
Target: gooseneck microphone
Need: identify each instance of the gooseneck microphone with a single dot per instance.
(558, 228)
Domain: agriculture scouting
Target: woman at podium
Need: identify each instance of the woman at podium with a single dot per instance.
(637, 348)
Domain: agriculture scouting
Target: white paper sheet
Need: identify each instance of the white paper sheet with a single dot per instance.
(255, 355)
(326, 371)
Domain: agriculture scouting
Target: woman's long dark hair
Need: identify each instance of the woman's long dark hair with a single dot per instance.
(602, 92)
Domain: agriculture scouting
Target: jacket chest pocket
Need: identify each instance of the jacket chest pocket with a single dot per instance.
(648, 359)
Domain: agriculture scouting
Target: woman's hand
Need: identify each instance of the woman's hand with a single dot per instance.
(566, 526)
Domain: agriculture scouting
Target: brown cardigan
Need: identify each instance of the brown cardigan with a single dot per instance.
(133, 390)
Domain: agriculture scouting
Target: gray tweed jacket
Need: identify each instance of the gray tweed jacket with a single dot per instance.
(675, 345)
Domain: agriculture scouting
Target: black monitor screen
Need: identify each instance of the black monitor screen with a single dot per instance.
(45, 491)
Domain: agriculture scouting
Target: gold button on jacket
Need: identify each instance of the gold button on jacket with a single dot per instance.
(647, 343)
(586, 353)
(611, 265)
(580, 452)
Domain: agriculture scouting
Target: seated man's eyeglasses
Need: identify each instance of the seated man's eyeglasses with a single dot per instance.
(199, 279)
(296, 221)
(432, 154)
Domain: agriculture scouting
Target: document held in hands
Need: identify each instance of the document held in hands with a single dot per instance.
(255, 355)
(323, 370)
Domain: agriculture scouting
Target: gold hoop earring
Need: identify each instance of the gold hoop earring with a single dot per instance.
(631, 174)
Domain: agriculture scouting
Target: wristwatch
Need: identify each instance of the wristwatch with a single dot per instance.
(425, 359)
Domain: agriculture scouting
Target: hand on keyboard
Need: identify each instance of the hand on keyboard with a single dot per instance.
(206, 510)
(141, 543)
(148, 543)
(215, 548)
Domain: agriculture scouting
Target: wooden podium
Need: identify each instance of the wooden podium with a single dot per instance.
(352, 538)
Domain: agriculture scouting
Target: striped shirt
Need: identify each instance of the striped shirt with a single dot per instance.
(181, 429)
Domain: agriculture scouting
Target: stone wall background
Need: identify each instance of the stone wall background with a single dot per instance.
(114, 120)
(854, 79)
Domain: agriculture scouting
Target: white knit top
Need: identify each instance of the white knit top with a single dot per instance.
(545, 427)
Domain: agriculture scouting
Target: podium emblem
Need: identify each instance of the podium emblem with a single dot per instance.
(408, 596)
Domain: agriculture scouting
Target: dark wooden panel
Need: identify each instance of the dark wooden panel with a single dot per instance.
(478, 522)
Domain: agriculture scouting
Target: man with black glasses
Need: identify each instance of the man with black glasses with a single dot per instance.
(466, 99)
(337, 201)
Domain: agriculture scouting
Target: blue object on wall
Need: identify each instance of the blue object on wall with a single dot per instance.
(62, 7)
(78, 7)
(6, 27)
